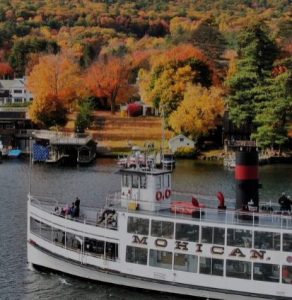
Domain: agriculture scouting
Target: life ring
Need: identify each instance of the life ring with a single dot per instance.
(167, 193)
(158, 196)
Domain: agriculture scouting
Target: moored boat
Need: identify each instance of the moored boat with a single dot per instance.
(149, 237)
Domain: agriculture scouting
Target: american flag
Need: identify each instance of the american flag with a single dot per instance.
(40, 152)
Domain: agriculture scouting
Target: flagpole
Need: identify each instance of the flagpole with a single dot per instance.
(30, 166)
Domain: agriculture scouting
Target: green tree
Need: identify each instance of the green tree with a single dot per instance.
(257, 53)
(83, 119)
(275, 115)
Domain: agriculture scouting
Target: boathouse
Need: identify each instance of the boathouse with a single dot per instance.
(180, 141)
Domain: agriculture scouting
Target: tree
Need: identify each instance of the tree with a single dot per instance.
(55, 83)
(198, 112)
(274, 116)
(108, 78)
(171, 71)
(257, 53)
(83, 119)
(5, 70)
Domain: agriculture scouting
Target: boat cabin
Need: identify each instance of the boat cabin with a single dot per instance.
(143, 189)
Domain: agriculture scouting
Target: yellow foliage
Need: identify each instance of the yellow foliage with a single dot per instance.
(55, 83)
(198, 112)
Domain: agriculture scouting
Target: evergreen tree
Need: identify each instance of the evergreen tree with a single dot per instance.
(274, 116)
(257, 53)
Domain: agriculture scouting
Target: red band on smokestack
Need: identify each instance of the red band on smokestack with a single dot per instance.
(246, 172)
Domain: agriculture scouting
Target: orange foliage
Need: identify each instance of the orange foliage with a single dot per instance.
(184, 52)
(108, 78)
(55, 82)
(5, 69)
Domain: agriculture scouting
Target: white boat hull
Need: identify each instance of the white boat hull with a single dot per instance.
(37, 257)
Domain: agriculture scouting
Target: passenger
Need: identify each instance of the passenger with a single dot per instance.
(77, 207)
(285, 202)
(72, 210)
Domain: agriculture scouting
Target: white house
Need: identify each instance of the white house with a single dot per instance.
(180, 141)
(14, 91)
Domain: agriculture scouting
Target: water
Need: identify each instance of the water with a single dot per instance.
(91, 184)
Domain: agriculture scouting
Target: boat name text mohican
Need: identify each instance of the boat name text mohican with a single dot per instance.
(199, 248)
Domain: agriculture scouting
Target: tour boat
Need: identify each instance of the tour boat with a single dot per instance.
(150, 237)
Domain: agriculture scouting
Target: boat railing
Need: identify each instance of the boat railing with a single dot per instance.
(88, 215)
(269, 218)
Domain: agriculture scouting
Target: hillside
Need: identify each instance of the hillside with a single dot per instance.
(118, 133)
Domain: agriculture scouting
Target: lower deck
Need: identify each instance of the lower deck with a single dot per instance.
(169, 247)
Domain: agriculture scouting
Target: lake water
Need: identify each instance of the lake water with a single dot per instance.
(91, 184)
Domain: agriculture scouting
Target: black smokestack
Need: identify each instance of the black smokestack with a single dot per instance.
(247, 177)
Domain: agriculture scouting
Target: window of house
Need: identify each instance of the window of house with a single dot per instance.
(181, 139)
(17, 91)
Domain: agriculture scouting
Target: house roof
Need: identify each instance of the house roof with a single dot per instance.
(6, 84)
(179, 136)
(14, 83)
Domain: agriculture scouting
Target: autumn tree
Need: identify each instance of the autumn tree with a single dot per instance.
(199, 111)
(55, 83)
(5, 70)
(165, 83)
(108, 78)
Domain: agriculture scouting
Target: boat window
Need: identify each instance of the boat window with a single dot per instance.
(126, 181)
(267, 240)
(238, 269)
(136, 255)
(143, 182)
(266, 272)
(185, 262)
(46, 232)
(161, 259)
(167, 180)
(138, 225)
(287, 242)
(213, 235)
(158, 182)
(162, 229)
(73, 241)
(211, 266)
(59, 237)
(187, 232)
(287, 274)
(35, 226)
(135, 181)
(239, 238)
(111, 251)
(94, 247)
